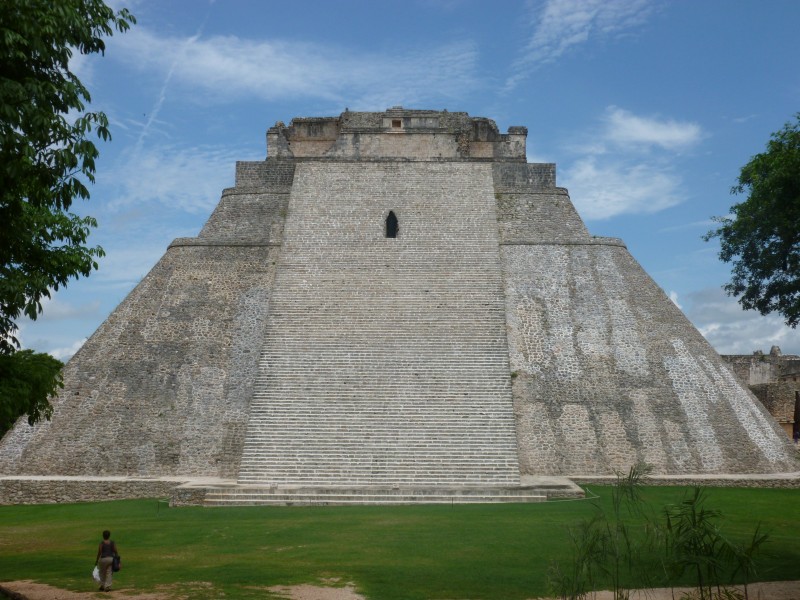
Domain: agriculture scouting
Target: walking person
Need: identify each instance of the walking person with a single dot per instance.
(105, 559)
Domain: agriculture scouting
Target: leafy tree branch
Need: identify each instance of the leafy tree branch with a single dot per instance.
(761, 238)
(46, 161)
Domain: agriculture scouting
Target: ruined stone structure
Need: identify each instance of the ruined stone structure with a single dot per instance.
(393, 301)
(774, 379)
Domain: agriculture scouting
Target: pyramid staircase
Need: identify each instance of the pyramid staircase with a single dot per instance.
(385, 364)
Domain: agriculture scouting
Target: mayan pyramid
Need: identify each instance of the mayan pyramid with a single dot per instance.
(395, 299)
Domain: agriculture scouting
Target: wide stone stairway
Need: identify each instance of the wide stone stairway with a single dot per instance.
(385, 362)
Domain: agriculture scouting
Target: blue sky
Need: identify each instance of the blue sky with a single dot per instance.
(649, 108)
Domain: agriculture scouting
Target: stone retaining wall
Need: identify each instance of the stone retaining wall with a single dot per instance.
(187, 496)
(66, 490)
(767, 481)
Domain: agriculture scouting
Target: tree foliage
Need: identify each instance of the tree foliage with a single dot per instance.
(46, 162)
(25, 378)
(761, 238)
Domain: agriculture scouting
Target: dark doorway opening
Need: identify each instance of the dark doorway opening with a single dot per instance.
(796, 426)
(392, 226)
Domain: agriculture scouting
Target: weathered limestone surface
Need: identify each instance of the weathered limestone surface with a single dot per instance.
(163, 387)
(385, 359)
(397, 134)
(59, 490)
(292, 343)
(774, 379)
(608, 371)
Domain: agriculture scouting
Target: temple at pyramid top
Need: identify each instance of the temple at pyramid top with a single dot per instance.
(413, 135)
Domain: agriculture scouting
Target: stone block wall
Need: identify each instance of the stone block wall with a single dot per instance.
(754, 369)
(163, 386)
(401, 145)
(774, 378)
(385, 360)
(608, 372)
(398, 134)
(531, 209)
(537, 218)
(60, 490)
(525, 178)
(272, 175)
(779, 399)
(247, 216)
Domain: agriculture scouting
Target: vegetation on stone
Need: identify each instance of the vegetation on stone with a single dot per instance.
(46, 161)
(761, 238)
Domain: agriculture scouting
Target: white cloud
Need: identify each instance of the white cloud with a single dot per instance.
(57, 314)
(627, 165)
(134, 241)
(673, 295)
(64, 354)
(188, 179)
(82, 65)
(561, 25)
(601, 190)
(732, 330)
(54, 309)
(226, 68)
(128, 261)
(54, 331)
(626, 129)
(705, 225)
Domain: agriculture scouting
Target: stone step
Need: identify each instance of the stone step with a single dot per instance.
(367, 432)
(338, 500)
(368, 404)
(299, 408)
(321, 462)
(368, 339)
(382, 480)
(322, 477)
(367, 456)
(310, 495)
(430, 440)
(376, 477)
(323, 446)
(374, 347)
(367, 453)
(381, 431)
(482, 469)
(402, 461)
(412, 472)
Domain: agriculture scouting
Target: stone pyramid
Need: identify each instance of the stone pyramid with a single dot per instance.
(395, 299)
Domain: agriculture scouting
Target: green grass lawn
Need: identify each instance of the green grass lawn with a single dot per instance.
(407, 552)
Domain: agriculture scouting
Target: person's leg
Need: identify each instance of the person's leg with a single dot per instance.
(102, 571)
(106, 573)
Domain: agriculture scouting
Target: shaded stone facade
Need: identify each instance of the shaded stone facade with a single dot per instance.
(490, 338)
(774, 379)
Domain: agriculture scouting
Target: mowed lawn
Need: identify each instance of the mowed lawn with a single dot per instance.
(406, 552)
